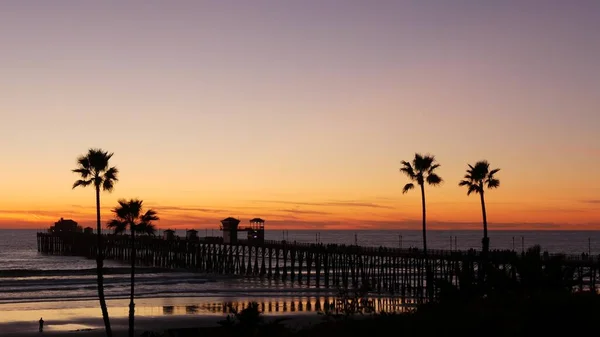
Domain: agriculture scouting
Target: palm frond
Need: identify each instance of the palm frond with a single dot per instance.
(432, 168)
(473, 189)
(94, 165)
(127, 215)
(427, 163)
(111, 174)
(479, 171)
(465, 183)
(108, 185)
(98, 159)
(128, 210)
(117, 226)
(146, 228)
(419, 162)
(83, 172)
(110, 177)
(483, 164)
(84, 162)
(408, 187)
(493, 183)
(492, 172)
(407, 169)
(434, 179)
(149, 216)
(82, 183)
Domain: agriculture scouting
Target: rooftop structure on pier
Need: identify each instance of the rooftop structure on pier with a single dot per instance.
(191, 234)
(65, 225)
(169, 234)
(256, 231)
(229, 226)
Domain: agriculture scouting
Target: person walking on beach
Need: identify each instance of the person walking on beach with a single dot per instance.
(41, 324)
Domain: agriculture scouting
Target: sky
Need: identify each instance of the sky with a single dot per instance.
(299, 112)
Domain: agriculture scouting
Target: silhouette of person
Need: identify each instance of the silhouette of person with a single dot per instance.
(41, 325)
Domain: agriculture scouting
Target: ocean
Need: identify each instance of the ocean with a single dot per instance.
(27, 276)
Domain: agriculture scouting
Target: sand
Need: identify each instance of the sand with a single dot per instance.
(94, 327)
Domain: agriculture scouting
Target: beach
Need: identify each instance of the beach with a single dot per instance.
(83, 318)
(93, 328)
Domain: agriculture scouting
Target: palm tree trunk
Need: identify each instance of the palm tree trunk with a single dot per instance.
(100, 266)
(131, 304)
(428, 276)
(424, 220)
(486, 241)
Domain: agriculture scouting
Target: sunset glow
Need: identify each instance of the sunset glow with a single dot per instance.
(302, 116)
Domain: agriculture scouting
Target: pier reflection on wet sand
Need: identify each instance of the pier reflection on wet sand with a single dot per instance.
(279, 306)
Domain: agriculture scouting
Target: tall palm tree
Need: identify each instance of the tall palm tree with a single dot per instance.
(478, 177)
(94, 169)
(129, 215)
(422, 171)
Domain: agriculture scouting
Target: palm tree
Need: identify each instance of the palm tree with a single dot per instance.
(477, 178)
(93, 169)
(421, 171)
(129, 215)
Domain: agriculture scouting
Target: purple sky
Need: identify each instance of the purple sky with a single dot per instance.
(208, 102)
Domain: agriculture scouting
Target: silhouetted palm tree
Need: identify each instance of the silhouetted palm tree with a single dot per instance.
(421, 171)
(129, 215)
(94, 169)
(478, 177)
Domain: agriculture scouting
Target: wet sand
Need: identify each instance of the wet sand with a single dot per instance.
(93, 327)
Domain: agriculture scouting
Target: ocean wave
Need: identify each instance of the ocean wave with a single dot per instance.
(143, 278)
(212, 292)
(80, 272)
(68, 285)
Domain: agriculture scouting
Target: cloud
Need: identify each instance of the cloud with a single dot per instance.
(591, 201)
(187, 209)
(43, 213)
(349, 203)
(302, 211)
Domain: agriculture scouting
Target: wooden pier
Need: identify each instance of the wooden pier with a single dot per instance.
(390, 271)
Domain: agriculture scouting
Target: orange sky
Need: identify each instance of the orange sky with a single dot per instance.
(300, 113)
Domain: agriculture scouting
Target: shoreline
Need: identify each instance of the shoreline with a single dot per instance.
(94, 327)
(151, 313)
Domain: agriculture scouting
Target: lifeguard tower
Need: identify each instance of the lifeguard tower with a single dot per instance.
(229, 226)
(191, 234)
(256, 231)
(169, 234)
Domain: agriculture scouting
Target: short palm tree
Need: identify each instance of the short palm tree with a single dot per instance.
(94, 169)
(478, 177)
(128, 215)
(422, 171)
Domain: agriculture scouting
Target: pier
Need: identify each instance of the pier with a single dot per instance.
(388, 271)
